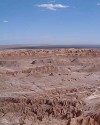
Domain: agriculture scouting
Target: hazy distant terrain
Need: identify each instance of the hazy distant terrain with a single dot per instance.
(49, 86)
(46, 46)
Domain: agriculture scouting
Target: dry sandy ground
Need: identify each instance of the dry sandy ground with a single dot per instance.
(50, 87)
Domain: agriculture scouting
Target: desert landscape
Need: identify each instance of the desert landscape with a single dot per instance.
(50, 86)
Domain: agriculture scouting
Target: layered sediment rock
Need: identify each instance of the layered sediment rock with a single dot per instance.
(54, 87)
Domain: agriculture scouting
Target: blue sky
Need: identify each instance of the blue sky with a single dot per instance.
(50, 22)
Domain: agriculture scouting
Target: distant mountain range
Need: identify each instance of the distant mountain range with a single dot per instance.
(2, 47)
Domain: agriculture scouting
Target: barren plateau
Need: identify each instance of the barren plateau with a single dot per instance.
(50, 87)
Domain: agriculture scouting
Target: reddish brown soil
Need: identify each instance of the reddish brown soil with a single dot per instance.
(50, 87)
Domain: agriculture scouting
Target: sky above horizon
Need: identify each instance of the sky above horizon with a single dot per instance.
(50, 22)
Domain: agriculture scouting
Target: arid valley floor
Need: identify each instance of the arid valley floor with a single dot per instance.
(50, 87)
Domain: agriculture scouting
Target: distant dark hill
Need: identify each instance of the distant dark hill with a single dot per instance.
(2, 47)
